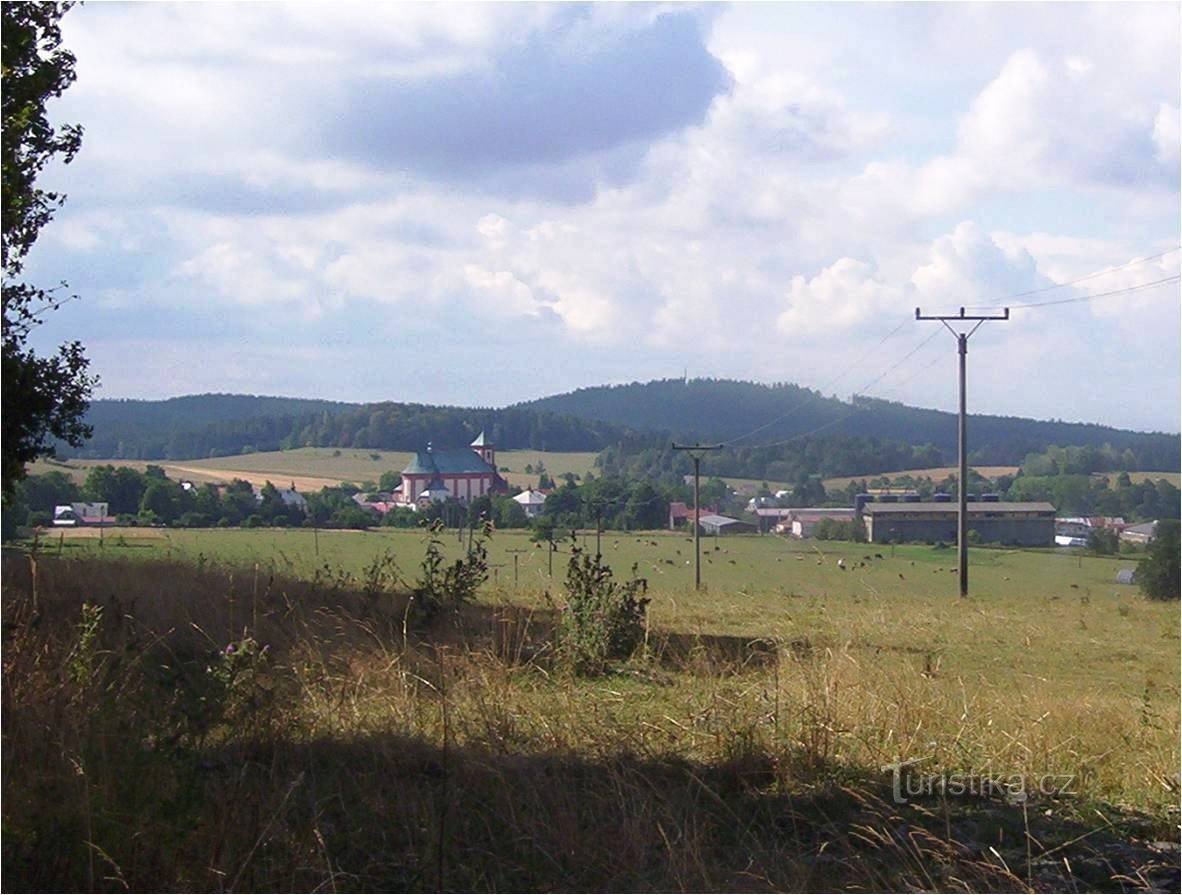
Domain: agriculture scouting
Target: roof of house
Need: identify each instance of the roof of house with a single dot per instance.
(479, 440)
(679, 510)
(975, 508)
(816, 514)
(530, 497)
(715, 519)
(1142, 528)
(449, 462)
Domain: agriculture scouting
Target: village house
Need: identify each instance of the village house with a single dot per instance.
(71, 515)
(463, 474)
(531, 501)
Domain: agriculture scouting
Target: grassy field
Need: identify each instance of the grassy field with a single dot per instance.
(314, 468)
(740, 746)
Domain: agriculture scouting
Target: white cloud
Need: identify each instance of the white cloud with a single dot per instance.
(842, 296)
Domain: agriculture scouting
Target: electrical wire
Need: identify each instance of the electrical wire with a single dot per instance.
(1090, 276)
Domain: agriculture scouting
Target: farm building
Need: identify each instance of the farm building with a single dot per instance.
(464, 474)
(531, 501)
(1082, 526)
(681, 515)
(71, 515)
(723, 525)
(771, 517)
(1139, 534)
(1025, 524)
(803, 521)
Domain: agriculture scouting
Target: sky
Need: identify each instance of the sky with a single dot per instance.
(483, 204)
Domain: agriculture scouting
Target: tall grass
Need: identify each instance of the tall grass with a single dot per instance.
(171, 726)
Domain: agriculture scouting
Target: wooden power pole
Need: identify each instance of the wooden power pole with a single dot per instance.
(696, 451)
(962, 515)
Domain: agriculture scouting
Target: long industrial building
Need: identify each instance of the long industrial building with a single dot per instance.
(1018, 524)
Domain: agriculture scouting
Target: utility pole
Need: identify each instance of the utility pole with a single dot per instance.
(696, 452)
(962, 515)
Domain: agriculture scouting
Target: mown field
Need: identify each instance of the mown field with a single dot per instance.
(740, 749)
(314, 468)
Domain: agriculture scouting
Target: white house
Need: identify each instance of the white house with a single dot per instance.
(531, 501)
(74, 514)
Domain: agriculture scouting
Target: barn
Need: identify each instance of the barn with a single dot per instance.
(1021, 524)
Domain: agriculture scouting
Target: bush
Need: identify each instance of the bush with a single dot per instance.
(449, 586)
(1158, 572)
(603, 619)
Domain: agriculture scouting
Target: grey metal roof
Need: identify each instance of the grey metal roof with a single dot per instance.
(715, 519)
(974, 508)
(479, 440)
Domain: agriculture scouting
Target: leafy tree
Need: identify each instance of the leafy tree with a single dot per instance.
(122, 488)
(1158, 572)
(163, 499)
(44, 492)
(45, 397)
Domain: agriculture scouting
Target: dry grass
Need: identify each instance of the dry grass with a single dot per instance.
(361, 753)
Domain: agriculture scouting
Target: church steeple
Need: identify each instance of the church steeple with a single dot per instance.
(485, 448)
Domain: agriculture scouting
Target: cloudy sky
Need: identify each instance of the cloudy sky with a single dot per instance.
(484, 204)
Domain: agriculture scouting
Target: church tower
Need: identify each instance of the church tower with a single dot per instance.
(486, 450)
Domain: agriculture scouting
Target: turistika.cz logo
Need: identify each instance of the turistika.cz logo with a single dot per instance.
(907, 784)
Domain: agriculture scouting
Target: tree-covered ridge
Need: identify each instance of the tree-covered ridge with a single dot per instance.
(652, 457)
(220, 425)
(723, 409)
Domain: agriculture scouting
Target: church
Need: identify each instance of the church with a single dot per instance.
(463, 474)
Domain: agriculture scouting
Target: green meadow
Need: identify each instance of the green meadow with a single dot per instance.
(747, 735)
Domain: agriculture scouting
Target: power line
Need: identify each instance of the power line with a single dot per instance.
(1126, 290)
(1090, 276)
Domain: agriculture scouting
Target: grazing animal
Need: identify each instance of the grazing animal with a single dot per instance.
(901, 578)
(878, 556)
(841, 564)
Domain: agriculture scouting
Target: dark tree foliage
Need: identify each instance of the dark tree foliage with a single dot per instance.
(221, 425)
(44, 397)
(1158, 573)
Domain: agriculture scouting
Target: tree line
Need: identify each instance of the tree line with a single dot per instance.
(191, 427)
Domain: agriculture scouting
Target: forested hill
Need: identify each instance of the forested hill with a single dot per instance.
(722, 409)
(218, 425)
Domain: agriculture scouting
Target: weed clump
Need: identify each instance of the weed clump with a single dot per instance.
(603, 619)
(445, 587)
